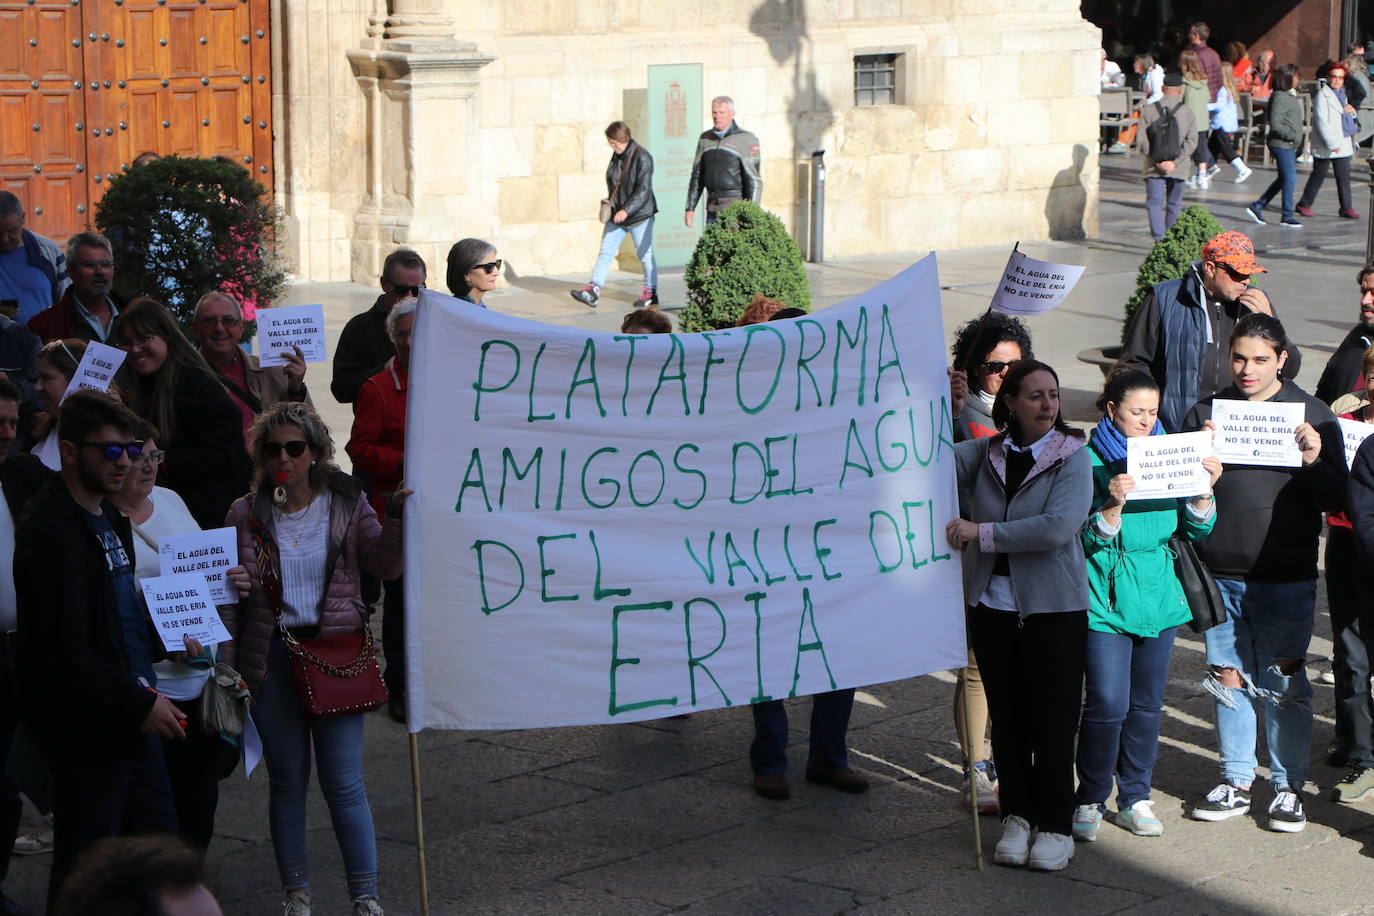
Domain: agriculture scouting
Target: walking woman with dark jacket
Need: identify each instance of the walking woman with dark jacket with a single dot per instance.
(175, 390)
(1137, 604)
(306, 534)
(1023, 496)
(1263, 553)
(1285, 130)
(630, 193)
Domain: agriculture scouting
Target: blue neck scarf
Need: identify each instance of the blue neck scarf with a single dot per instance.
(1110, 443)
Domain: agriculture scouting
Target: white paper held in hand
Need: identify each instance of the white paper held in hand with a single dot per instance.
(280, 329)
(97, 368)
(1169, 466)
(1258, 432)
(180, 606)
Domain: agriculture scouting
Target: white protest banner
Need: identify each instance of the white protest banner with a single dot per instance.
(97, 368)
(1354, 433)
(1169, 466)
(280, 329)
(180, 606)
(208, 553)
(1031, 287)
(611, 527)
(1258, 432)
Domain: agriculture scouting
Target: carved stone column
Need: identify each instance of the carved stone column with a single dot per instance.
(421, 87)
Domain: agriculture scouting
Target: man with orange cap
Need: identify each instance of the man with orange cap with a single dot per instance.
(1179, 334)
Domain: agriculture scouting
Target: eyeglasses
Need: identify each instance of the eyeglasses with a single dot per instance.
(229, 321)
(113, 450)
(154, 457)
(403, 292)
(996, 366)
(295, 448)
(490, 267)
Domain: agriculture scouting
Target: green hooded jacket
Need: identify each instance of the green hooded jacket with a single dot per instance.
(1131, 582)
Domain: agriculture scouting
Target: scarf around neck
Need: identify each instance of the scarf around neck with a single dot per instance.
(1110, 442)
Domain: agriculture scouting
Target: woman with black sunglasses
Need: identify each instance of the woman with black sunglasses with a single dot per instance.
(177, 391)
(985, 349)
(305, 533)
(473, 270)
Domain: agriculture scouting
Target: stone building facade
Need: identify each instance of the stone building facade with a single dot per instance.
(418, 122)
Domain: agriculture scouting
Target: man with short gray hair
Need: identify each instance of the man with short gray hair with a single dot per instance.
(86, 310)
(33, 270)
(726, 165)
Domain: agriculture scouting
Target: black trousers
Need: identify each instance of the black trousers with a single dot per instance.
(1032, 671)
(1351, 600)
(1219, 143)
(193, 767)
(10, 806)
(1341, 167)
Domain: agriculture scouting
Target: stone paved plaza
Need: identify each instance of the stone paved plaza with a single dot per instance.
(659, 817)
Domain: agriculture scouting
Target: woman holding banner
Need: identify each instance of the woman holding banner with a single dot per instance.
(1263, 553)
(176, 390)
(1137, 604)
(984, 350)
(304, 534)
(1023, 496)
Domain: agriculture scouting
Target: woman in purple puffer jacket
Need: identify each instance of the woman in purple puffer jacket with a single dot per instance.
(322, 532)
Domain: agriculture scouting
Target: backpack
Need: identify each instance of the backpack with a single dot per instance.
(1166, 141)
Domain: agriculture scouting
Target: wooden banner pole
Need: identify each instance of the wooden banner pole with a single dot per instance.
(420, 824)
(969, 738)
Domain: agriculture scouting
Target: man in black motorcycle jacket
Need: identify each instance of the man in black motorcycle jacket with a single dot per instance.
(726, 164)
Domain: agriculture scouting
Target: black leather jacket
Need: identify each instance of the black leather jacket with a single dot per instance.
(727, 168)
(636, 194)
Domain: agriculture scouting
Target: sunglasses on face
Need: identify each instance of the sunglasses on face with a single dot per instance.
(153, 457)
(112, 450)
(295, 448)
(404, 292)
(996, 366)
(489, 268)
(1233, 273)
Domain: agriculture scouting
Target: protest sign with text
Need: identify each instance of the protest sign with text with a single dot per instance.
(208, 553)
(1258, 432)
(280, 329)
(1169, 466)
(613, 527)
(180, 606)
(97, 368)
(1353, 432)
(1031, 287)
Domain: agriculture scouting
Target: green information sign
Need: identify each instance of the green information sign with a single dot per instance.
(675, 113)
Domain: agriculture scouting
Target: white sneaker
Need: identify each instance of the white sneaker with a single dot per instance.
(367, 906)
(1204, 180)
(1051, 852)
(1086, 820)
(1243, 173)
(1014, 847)
(1191, 181)
(297, 903)
(987, 793)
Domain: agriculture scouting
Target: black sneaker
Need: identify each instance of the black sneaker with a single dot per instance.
(1285, 812)
(1222, 802)
(587, 295)
(1290, 222)
(1337, 754)
(1255, 212)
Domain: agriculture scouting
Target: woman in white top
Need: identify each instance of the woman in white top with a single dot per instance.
(55, 364)
(1151, 78)
(194, 765)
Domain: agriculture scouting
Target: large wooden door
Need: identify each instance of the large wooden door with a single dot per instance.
(88, 85)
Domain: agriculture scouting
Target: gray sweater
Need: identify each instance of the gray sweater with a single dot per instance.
(1038, 530)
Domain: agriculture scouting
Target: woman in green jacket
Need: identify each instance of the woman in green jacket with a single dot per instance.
(1285, 130)
(1136, 605)
(1196, 96)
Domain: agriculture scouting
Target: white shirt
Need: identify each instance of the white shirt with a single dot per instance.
(47, 451)
(179, 681)
(9, 609)
(999, 594)
(303, 548)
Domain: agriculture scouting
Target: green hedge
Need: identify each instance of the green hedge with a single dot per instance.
(746, 251)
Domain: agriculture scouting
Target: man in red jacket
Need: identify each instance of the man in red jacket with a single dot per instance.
(86, 309)
(377, 447)
(1198, 34)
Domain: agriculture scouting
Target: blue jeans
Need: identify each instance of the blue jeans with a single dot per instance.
(643, 235)
(1266, 621)
(829, 726)
(1120, 728)
(286, 739)
(1287, 162)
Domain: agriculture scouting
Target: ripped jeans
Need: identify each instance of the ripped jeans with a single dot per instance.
(1266, 621)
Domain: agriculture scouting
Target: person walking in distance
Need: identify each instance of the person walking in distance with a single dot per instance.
(726, 165)
(630, 198)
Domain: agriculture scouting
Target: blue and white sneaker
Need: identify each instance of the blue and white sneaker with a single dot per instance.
(1140, 819)
(1086, 820)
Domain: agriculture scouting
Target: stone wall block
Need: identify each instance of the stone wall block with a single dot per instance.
(579, 196)
(558, 149)
(975, 171)
(530, 100)
(529, 200)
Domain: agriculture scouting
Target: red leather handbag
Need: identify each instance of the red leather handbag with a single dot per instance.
(336, 675)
